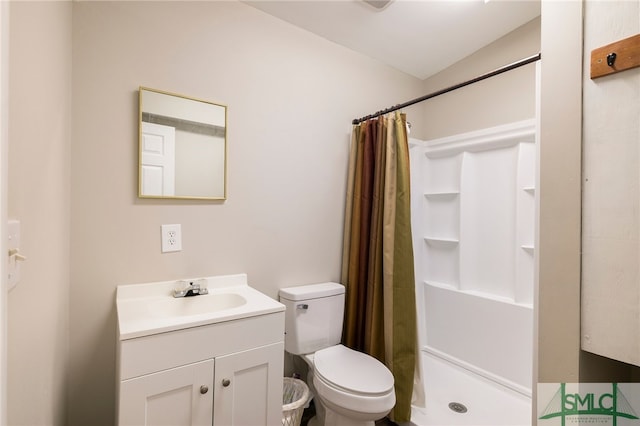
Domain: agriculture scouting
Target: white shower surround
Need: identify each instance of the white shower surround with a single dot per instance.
(473, 208)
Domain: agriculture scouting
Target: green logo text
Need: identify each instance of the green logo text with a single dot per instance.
(613, 404)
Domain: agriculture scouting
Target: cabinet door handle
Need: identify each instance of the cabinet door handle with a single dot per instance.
(204, 389)
(226, 382)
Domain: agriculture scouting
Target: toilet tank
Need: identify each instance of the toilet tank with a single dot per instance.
(313, 317)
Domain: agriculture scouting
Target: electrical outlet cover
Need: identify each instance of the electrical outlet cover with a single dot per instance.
(171, 238)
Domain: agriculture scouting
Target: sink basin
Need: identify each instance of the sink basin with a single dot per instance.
(150, 308)
(196, 305)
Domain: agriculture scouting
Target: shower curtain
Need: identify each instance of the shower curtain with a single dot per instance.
(377, 265)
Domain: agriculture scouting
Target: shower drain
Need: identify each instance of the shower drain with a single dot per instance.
(457, 407)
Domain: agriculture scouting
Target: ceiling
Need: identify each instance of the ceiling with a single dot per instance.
(419, 37)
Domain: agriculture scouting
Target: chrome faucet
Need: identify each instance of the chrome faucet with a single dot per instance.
(190, 288)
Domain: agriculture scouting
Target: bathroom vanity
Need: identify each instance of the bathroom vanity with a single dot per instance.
(214, 359)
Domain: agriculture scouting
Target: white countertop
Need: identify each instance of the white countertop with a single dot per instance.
(150, 308)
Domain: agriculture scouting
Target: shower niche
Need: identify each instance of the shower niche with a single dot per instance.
(441, 225)
(475, 217)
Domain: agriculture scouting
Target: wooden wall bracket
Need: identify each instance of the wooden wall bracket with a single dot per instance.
(615, 57)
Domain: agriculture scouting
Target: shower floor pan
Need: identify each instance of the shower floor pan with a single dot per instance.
(450, 389)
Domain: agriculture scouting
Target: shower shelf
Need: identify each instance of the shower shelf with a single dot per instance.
(441, 241)
(437, 284)
(529, 189)
(528, 248)
(441, 194)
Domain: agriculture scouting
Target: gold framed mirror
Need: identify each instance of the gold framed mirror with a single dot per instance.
(183, 147)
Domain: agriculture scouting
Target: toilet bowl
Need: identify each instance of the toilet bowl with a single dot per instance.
(354, 385)
(350, 388)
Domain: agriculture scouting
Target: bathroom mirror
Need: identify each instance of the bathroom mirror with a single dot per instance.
(183, 147)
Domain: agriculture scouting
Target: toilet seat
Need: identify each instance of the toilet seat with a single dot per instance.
(353, 383)
(352, 372)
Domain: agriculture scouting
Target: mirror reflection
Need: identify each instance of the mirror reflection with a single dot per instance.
(182, 147)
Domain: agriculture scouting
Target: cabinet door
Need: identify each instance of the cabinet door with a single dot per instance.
(248, 388)
(181, 396)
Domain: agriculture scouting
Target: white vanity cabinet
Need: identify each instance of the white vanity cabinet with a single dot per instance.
(178, 396)
(248, 387)
(243, 388)
(221, 374)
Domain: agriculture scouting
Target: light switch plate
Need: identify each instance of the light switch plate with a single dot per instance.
(171, 238)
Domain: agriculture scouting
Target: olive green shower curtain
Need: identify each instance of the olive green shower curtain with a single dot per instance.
(377, 265)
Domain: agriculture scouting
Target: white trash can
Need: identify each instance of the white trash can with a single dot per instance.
(295, 395)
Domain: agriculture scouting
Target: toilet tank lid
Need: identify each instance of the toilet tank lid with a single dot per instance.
(311, 291)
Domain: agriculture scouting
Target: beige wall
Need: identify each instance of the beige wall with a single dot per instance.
(558, 245)
(39, 196)
(498, 100)
(291, 97)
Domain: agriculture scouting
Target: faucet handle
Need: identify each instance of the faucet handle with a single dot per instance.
(190, 288)
(182, 285)
(201, 285)
(181, 288)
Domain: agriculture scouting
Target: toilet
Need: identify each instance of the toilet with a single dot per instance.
(351, 388)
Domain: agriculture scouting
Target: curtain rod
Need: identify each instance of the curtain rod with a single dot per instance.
(501, 70)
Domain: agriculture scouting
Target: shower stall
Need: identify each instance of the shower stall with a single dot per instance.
(473, 219)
